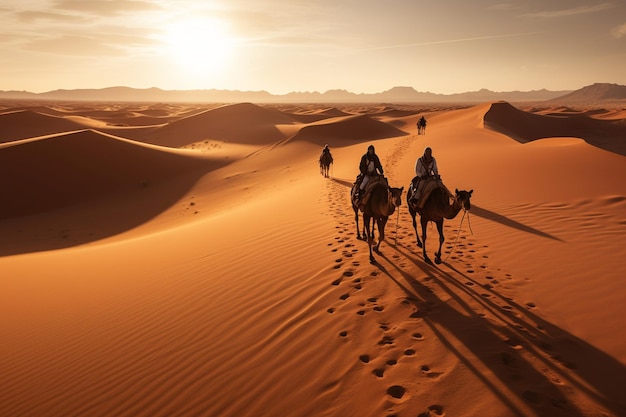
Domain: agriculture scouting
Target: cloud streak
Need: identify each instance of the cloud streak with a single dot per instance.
(619, 31)
(571, 12)
(106, 8)
(448, 41)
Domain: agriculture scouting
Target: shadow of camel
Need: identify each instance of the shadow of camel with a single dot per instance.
(345, 183)
(505, 221)
(503, 336)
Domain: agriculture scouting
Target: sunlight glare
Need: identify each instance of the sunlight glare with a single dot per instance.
(199, 46)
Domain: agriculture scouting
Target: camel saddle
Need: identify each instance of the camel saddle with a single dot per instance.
(374, 180)
(427, 186)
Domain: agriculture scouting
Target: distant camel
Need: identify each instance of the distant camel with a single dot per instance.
(436, 208)
(421, 126)
(325, 160)
(382, 202)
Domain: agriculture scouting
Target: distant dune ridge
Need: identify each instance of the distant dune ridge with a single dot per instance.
(526, 127)
(189, 259)
(23, 124)
(241, 123)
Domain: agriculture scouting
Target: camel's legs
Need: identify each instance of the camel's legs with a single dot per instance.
(419, 242)
(356, 219)
(441, 239)
(369, 224)
(381, 232)
(424, 223)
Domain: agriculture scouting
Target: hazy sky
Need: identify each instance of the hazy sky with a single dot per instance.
(364, 46)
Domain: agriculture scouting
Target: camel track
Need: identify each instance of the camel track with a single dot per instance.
(418, 313)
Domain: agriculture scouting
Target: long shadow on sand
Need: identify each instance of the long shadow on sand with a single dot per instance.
(343, 182)
(95, 220)
(505, 221)
(526, 353)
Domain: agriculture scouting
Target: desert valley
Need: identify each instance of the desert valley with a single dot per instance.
(185, 259)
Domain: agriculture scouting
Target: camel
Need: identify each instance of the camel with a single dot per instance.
(436, 208)
(421, 126)
(325, 161)
(382, 202)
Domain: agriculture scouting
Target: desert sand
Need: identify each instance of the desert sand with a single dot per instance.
(188, 260)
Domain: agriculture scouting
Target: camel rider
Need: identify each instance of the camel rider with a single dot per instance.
(425, 167)
(369, 166)
(326, 151)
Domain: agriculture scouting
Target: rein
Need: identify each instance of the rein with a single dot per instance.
(390, 199)
(397, 221)
(459, 232)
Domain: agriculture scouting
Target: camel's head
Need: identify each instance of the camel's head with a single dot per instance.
(463, 197)
(396, 195)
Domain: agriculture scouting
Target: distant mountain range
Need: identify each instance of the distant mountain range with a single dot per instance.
(596, 93)
(593, 93)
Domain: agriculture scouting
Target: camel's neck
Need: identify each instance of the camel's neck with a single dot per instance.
(389, 208)
(453, 209)
(384, 209)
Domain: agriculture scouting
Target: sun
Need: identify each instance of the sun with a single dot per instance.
(199, 45)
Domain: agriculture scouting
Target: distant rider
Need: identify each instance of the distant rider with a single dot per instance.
(326, 151)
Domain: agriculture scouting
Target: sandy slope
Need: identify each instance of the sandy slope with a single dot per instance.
(234, 284)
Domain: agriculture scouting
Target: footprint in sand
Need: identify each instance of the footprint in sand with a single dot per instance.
(568, 364)
(509, 360)
(430, 374)
(419, 314)
(514, 343)
(533, 397)
(396, 391)
(386, 340)
(432, 411)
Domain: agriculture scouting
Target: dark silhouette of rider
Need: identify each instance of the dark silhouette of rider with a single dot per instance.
(425, 167)
(369, 166)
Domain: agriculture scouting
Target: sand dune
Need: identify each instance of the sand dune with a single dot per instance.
(16, 125)
(315, 114)
(42, 109)
(347, 130)
(116, 184)
(526, 127)
(241, 123)
(62, 170)
(226, 279)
